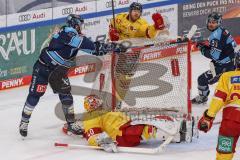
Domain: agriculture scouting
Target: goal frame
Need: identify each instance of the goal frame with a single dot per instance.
(189, 78)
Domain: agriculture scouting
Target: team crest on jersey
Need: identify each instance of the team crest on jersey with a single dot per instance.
(118, 21)
(235, 79)
(132, 28)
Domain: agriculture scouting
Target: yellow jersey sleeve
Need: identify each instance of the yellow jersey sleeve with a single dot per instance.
(227, 93)
(92, 126)
(220, 96)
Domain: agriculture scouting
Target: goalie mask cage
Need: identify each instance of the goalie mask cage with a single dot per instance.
(146, 80)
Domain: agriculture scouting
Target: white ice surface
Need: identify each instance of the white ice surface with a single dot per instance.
(45, 129)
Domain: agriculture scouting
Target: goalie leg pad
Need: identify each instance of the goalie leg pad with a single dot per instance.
(167, 126)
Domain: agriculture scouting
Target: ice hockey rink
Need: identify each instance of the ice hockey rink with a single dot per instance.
(45, 130)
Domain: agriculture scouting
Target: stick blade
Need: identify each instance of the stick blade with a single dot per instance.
(192, 31)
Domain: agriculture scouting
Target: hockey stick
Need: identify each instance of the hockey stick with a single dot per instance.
(188, 37)
(113, 13)
(185, 39)
(122, 149)
(191, 32)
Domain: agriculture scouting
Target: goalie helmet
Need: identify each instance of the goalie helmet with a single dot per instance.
(217, 17)
(73, 20)
(92, 102)
(136, 6)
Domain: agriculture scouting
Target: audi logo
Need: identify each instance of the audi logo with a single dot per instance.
(24, 18)
(67, 11)
(109, 4)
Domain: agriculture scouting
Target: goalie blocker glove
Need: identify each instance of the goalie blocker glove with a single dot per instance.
(106, 142)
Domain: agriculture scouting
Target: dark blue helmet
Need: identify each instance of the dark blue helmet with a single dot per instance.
(73, 20)
(136, 6)
(215, 17)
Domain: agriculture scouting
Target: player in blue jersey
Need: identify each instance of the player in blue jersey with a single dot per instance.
(221, 52)
(52, 67)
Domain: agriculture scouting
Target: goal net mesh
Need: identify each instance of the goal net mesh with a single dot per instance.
(145, 79)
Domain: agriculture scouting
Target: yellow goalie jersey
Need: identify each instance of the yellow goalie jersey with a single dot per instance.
(137, 29)
(227, 93)
(98, 121)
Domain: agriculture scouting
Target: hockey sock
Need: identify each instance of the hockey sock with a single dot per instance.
(27, 112)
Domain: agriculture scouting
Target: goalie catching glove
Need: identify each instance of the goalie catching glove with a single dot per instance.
(106, 142)
(202, 47)
(205, 123)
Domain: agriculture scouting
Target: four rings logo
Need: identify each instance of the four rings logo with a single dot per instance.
(109, 4)
(24, 18)
(67, 11)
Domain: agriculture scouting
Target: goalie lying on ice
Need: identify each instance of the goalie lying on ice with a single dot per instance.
(110, 129)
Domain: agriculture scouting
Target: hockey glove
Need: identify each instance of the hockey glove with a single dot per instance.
(214, 79)
(182, 39)
(158, 21)
(205, 123)
(202, 47)
(113, 34)
(100, 49)
(106, 142)
(118, 48)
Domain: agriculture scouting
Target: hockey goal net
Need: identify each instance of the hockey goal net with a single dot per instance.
(145, 79)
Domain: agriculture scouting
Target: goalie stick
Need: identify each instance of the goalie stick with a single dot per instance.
(143, 44)
(155, 150)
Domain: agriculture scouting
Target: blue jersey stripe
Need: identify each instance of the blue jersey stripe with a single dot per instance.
(76, 41)
(59, 60)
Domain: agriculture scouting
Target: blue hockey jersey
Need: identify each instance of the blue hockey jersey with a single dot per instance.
(221, 47)
(64, 46)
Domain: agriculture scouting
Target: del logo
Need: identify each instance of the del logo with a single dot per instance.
(41, 88)
(235, 79)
